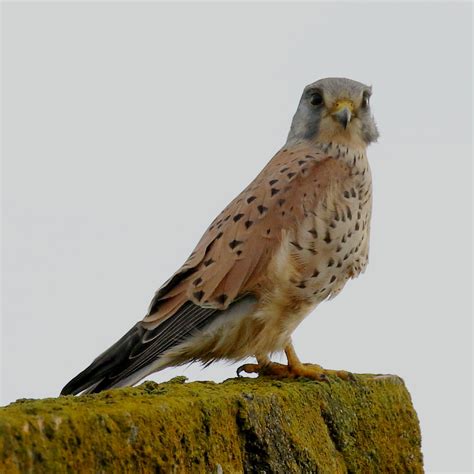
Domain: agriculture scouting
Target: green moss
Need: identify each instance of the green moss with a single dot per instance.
(368, 425)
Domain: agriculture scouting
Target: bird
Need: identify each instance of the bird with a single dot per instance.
(289, 241)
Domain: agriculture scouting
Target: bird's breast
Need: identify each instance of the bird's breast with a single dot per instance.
(331, 244)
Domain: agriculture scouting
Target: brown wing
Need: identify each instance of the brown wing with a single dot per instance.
(234, 252)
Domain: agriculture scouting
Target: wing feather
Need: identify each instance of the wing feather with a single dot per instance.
(234, 252)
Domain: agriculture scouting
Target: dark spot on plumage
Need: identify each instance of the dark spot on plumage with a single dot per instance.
(310, 157)
(349, 213)
(227, 218)
(333, 279)
(301, 162)
(343, 240)
(301, 285)
(313, 232)
(248, 224)
(339, 248)
(315, 273)
(357, 227)
(281, 202)
(333, 225)
(221, 299)
(198, 295)
(197, 281)
(272, 182)
(237, 217)
(208, 262)
(268, 231)
(297, 245)
(331, 262)
(353, 193)
(283, 213)
(262, 209)
(274, 191)
(290, 175)
(346, 194)
(349, 234)
(235, 243)
(339, 264)
(219, 235)
(327, 237)
(285, 150)
(250, 199)
(346, 256)
(284, 169)
(358, 215)
(239, 252)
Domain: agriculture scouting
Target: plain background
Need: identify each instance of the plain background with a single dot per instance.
(128, 127)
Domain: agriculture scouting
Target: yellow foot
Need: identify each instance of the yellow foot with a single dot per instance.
(309, 371)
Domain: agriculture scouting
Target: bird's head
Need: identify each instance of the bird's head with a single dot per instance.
(335, 110)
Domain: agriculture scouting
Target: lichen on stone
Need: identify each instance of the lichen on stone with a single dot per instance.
(242, 425)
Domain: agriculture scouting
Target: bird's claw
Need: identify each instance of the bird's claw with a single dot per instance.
(248, 368)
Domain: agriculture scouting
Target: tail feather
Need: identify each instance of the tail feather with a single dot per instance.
(105, 364)
(126, 362)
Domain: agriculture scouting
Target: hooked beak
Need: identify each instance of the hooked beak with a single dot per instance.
(343, 112)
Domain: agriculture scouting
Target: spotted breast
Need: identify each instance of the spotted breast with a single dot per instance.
(331, 244)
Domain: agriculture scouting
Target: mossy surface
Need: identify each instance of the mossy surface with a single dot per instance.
(242, 425)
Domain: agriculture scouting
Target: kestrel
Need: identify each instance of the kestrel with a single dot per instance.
(290, 240)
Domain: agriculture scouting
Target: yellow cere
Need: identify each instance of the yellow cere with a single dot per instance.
(344, 103)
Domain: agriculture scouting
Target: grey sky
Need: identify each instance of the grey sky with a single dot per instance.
(128, 127)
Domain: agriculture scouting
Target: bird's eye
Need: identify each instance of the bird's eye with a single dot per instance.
(316, 98)
(365, 100)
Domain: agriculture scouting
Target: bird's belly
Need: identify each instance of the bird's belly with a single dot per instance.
(250, 327)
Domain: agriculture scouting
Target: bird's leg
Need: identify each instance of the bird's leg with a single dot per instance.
(294, 369)
(311, 371)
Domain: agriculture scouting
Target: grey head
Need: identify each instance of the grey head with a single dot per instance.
(337, 110)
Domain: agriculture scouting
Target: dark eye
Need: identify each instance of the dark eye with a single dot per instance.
(316, 98)
(365, 100)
